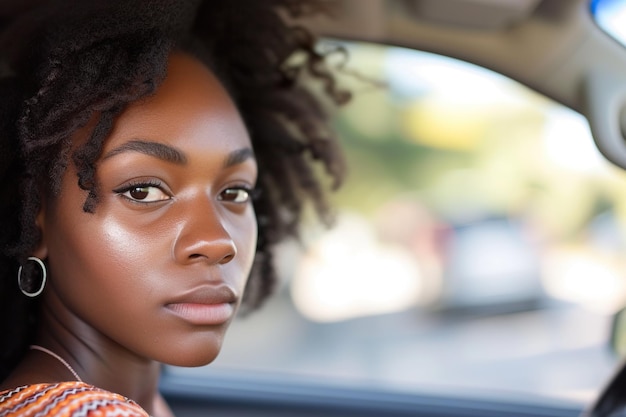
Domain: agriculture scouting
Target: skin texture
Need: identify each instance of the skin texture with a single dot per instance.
(156, 273)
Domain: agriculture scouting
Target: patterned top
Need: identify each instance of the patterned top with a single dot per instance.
(66, 399)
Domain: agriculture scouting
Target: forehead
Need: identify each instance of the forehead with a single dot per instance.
(190, 108)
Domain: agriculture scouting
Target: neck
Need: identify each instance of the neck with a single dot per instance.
(97, 359)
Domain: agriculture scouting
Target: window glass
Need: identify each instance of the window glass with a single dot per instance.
(478, 244)
(610, 15)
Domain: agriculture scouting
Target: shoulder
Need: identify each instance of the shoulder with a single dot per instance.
(66, 399)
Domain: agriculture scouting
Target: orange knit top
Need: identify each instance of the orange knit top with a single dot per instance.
(66, 399)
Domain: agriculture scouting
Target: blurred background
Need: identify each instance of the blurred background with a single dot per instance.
(477, 246)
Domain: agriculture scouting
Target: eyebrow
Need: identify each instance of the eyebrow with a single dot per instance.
(156, 149)
(171, 154)
(238, 156)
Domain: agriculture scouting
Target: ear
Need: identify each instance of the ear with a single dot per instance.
(41, 250)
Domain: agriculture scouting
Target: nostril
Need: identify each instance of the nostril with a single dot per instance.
(223, 260)
(227, 258)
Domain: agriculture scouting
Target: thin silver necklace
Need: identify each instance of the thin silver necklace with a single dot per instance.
(57, 357)
(60, 359)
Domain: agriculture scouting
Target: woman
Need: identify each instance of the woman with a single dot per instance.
(135, 136)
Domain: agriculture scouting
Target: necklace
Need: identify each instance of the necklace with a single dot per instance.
(57, 357)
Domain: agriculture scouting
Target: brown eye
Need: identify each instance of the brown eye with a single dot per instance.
(144, 193)
(139, 193)
(235, 195)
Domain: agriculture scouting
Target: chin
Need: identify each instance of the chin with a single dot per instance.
(198, 350)
(194, 362)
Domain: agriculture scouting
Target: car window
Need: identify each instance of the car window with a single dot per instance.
(477, 244)
(610, 16)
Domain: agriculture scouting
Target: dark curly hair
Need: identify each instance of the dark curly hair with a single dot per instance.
(64, 62)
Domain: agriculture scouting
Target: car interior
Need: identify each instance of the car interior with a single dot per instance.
(566, 53)
(476, 266)
(509, 326)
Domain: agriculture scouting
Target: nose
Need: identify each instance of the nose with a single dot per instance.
(203, 236)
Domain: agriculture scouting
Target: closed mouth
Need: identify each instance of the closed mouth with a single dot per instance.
(205, 305)
(203, 314)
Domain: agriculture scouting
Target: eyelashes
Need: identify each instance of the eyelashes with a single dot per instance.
(153, 191)
(239, 195)
(144, 192)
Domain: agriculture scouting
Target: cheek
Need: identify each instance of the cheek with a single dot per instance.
(244, 234)
(100, 263)
(95, 240)
(92, 261)
(251, 247)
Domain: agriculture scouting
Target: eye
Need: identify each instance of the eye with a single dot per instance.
(237, 195)
(143, 193)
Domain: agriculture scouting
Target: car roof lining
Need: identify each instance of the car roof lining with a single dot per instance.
(549, 46)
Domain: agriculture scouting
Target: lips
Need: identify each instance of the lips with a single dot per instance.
(205, 306)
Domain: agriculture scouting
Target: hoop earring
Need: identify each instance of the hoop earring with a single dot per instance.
(43, 278)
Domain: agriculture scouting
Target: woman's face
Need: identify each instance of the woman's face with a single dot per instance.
(160, 267)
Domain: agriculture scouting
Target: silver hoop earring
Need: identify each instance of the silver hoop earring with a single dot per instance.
(43, 278)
